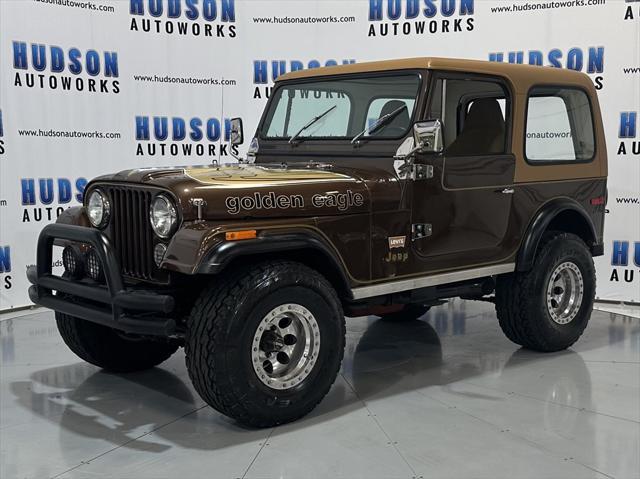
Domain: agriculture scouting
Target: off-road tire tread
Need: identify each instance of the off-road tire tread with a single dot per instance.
(209, 372)
(103, 347)
(515, 303)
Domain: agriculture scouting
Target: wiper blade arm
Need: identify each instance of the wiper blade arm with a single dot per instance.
(313, 121)
(383, 120)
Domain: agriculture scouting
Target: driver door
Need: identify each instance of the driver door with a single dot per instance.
(465, 208)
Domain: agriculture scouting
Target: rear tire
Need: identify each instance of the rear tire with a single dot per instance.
(109, 349)
(548, 307)
(264, 344)
(410, 312)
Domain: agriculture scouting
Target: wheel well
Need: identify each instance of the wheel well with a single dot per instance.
(570, 221)
(559, 218)
(311, 257)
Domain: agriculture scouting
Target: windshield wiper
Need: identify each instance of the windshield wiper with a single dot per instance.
(314, 120)
(383, 120)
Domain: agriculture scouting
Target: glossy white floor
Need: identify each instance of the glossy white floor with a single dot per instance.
(446, 396)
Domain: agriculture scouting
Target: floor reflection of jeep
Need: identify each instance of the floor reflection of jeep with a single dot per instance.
(368, 189)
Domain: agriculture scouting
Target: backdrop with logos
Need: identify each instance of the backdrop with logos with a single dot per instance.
(89, 87)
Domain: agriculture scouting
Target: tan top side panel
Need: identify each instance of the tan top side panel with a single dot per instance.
(527, 172)
(521, 76)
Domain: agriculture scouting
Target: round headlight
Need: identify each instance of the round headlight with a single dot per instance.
(163, 216)
(98, 209)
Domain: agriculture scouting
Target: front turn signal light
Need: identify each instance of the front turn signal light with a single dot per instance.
(240, 235)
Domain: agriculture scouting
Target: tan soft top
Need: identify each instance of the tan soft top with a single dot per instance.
(521, 76)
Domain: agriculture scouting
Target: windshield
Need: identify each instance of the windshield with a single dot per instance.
(342, 109)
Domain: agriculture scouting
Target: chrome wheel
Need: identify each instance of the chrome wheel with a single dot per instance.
(564, 292)
(285, 346)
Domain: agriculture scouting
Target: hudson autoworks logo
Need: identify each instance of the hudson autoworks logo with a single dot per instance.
(5, 266)
(265, 72)
(625, 260)
(164, 136)
(632, 10)
(589, 60)
(45, 199)
(628, 132)
(54, 68)
(207, 18)
(419, 17)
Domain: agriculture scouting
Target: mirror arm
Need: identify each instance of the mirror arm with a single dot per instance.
(411, 153)
(416, 149)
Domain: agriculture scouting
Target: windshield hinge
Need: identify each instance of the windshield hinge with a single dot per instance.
(421, 172)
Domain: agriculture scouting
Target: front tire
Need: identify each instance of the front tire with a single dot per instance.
(548, 307)
(108, 349)
(264, 344)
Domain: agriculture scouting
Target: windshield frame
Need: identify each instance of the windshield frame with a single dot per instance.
(260, 133)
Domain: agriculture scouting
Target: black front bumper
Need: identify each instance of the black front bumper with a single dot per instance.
(131, 310)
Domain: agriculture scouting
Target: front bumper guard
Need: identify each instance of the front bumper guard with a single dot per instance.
(129, 310)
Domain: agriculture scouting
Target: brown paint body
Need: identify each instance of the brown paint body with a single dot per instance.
(474, 222)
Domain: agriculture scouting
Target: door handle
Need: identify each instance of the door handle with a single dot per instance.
(506, 191)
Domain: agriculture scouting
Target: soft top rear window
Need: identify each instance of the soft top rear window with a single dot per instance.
(559, 126)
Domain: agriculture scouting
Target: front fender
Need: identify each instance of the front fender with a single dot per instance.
(222, 254)
(305, 245)
(201, 248)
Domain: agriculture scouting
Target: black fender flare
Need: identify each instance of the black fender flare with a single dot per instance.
(221, 255)
(75, 215)
(544, 216)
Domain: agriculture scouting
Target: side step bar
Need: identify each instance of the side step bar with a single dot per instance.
(391, 287)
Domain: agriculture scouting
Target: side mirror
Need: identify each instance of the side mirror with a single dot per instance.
(236, 135)
(428, 136)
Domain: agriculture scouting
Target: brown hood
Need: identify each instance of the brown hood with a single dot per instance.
(239, 191)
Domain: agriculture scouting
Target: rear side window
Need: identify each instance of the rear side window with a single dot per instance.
(559, 126)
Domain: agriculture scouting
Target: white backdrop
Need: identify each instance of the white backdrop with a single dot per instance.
(83, 80)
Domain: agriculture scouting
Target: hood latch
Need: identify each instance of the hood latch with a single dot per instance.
(198, 203)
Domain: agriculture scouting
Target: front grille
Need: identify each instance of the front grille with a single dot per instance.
(131, 232)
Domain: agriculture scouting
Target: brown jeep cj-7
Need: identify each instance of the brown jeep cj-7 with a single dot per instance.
(368, 189)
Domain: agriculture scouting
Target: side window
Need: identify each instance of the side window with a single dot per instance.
(559, 126)
(474, 114)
